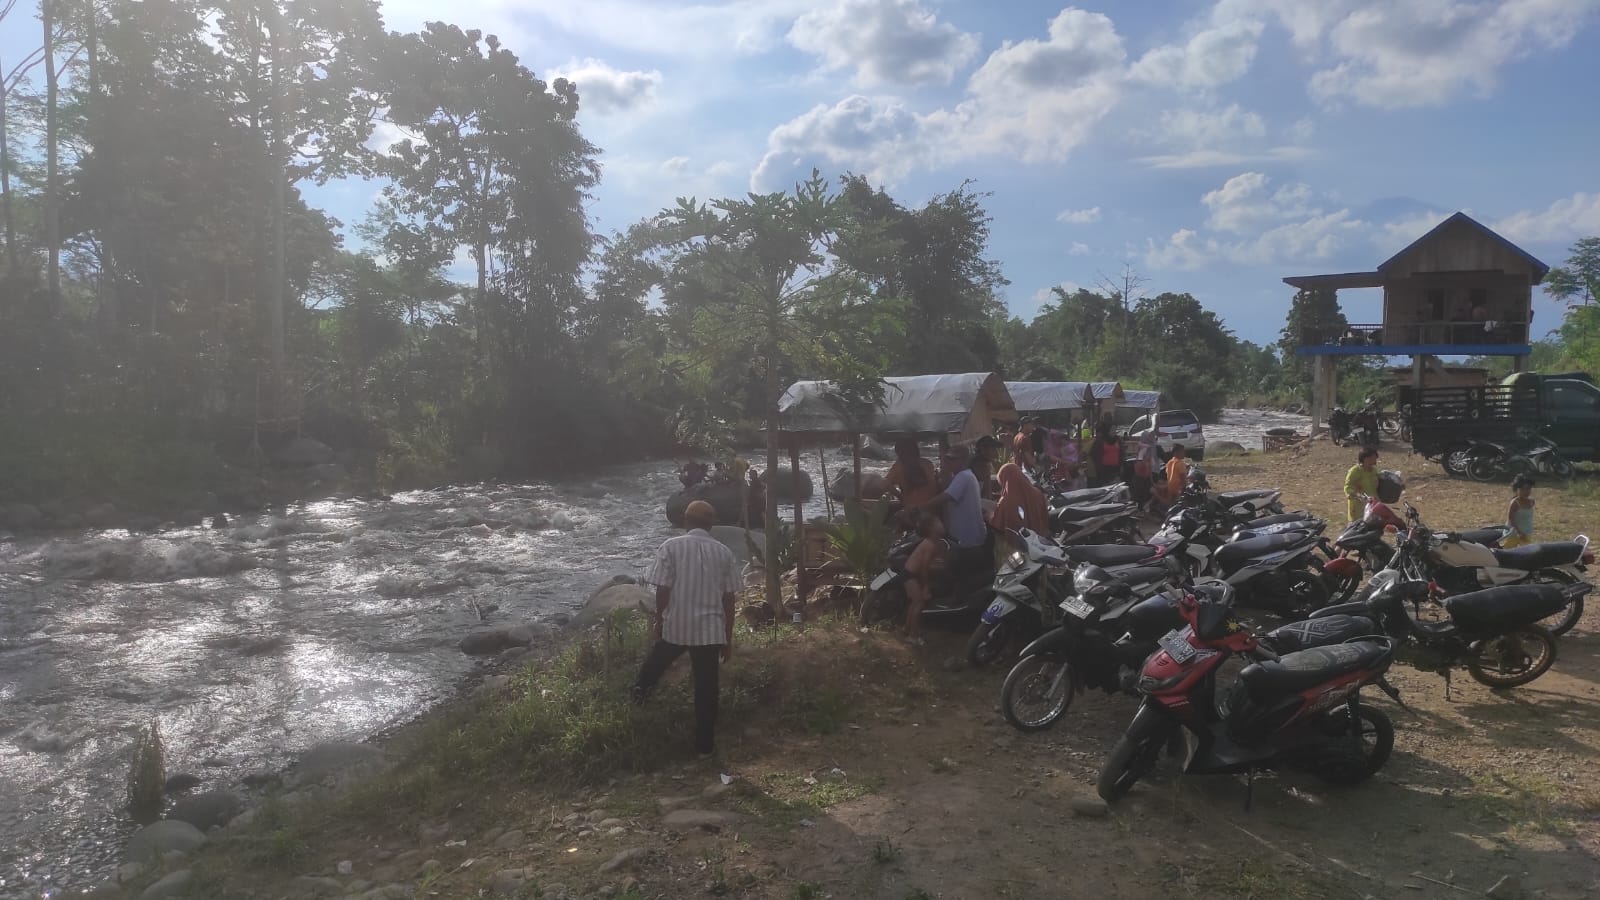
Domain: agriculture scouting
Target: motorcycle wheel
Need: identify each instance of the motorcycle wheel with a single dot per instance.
(1031, 680)
(1483, 467)
(988, 642)
(1562, 468)
(883, 605)
(1455, 462)
(1303, 594)
(1376, 734)
(1561, 622)
(1130, 760)
(1340, 590)
(1390, 426)
(1514, 658)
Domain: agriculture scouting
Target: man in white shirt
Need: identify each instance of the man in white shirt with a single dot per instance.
(696, 578)
(961, 502)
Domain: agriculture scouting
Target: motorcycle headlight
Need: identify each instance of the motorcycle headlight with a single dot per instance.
(1016, 560)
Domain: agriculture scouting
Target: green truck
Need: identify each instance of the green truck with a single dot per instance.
(1564, 408)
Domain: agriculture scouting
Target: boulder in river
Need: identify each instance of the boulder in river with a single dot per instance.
(101, 515)
(489, 641)
(722, 497)
(1225, 448)
(745, 543)
(620, 596)
(20, 516)
(844, 485)
(155, 840)
(175, 884)
(781, 482)
(304, 451)
(212, 809)
(333, 759)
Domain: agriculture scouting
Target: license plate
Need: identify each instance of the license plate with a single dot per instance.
(1077, 607)
(998, 610)
(1177, 646)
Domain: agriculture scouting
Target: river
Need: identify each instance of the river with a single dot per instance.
(327, 620)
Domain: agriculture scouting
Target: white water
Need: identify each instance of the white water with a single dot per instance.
(332, 620)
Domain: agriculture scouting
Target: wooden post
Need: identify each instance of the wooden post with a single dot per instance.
(1418, 371)
(799, 526)
(855, 457)
(1319, 394)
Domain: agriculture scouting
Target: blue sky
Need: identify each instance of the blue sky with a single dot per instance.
(1216, 146)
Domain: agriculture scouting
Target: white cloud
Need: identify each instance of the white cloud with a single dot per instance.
(1078, 248)
(1079, 216)
(385, 135)
(885, 42)
(1563, 220)
(1417, 53)
(1211, 136)
(1210, 59)
(1033, 100)
(699, 30)
(1254, 223)
(878, 138)
(603, 89)
(1245, 202)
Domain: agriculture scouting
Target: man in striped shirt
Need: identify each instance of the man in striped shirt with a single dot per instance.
(696, 578)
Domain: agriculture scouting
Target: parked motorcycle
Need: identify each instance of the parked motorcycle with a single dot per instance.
(1107, 630)
(961, 586)
(1302, 709)
(1456, 565)
(1099, 523)
(1359, 427)
(1278, 573)
(1532, 454)
(1031, 585)
(1492, 632)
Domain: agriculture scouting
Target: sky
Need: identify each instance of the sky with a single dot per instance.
(1215, 146)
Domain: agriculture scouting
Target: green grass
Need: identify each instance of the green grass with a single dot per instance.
(806, 890)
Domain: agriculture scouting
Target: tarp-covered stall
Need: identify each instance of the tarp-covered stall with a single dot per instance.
(960, 407)
(1139, 403)
(1036, 397)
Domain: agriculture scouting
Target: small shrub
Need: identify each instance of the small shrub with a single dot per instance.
(146, 775)
(885, 852)
(806, 890)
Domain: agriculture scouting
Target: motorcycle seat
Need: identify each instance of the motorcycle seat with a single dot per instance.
(1320, 632)
(1284, 518)
(1085, 513)
(1305, 669)
(1505, 607)
(1232, 498)
(1090, 495)
(1110, 554)
(1485, 536)
(1239, 551)
(1539, 556)
(1141, 575)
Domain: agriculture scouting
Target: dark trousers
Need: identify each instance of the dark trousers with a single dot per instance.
(705, 663)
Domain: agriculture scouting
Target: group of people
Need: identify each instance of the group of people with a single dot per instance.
(1361, 482)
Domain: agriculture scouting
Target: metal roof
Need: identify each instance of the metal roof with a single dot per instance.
(966, 405)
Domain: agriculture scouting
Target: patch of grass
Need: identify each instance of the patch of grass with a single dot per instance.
(146, 775)
(918, 894)
(944, 765)
(806, 890)
(1253, 878)
(825, 710)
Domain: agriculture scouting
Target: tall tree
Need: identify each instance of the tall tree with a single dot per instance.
(1579, 280)
(773, 290)
(1314, 317)
(52, 197)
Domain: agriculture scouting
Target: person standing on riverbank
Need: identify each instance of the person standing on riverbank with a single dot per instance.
(1361, 482)
(696, 579)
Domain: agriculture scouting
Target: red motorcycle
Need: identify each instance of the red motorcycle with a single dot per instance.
(1301, 709)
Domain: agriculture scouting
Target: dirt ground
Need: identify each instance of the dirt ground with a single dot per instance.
(915, 787)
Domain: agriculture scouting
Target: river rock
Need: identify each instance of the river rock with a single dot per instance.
(1225, 448)
(690, 819)
(489, 641)
(20, 516)
(781, 483)
(156, 839)
(173, 885)
(741, 541)
(101, 515)
(511, 840)
(621, 596)
(509, 881)
(212, 809)
(844, 485)
(327, 472)
(304, 451)
(625, 859)
(180, 782)
(315, 886)
(334, 758)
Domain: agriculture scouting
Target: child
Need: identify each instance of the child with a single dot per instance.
(919, 569)
(1519, 515)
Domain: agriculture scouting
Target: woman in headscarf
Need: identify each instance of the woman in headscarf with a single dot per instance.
(1021, 505)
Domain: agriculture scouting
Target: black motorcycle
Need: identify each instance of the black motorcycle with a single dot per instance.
(961, 586)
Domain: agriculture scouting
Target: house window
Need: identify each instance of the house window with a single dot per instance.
(1436, 306)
